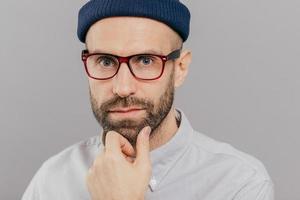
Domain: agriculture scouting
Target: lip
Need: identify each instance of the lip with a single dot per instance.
(127, 113)
(124, 110)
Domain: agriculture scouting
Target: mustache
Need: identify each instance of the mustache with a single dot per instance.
(118, 101)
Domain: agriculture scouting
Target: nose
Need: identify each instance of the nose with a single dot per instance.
(124, 83)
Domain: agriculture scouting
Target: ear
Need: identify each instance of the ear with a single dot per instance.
(182, 66)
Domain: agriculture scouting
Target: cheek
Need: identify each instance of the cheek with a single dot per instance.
(100, 91)
(155, 89)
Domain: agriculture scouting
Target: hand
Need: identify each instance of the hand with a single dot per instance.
(115, 174)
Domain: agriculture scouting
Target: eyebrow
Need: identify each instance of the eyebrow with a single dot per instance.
(146, 51)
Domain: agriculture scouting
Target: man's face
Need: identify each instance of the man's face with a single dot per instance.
(126, 36)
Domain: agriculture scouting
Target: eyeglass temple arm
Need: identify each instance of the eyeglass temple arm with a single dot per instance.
(175, 54)
(83, 54)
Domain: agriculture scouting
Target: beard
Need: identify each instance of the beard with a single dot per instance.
(128, 128)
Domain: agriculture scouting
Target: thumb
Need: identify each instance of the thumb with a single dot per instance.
(143, 147)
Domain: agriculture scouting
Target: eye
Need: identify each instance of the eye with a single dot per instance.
(145, 60)
(106, 61)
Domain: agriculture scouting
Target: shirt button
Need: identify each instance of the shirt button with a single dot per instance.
(153, 182)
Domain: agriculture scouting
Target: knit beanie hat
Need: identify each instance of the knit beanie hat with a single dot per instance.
(171, 12)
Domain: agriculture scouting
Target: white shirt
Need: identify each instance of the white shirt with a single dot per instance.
(190, 166)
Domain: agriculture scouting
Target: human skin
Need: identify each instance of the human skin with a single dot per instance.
(127, 169)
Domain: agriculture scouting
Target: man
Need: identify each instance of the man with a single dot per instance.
(148, 149)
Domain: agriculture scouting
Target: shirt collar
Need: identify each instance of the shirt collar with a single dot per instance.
(164, 157)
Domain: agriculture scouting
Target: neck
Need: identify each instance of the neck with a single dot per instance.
(165, 131)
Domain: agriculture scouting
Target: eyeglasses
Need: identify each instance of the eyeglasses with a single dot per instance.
(102, 66)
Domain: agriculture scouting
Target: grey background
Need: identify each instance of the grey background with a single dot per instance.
(243, 85)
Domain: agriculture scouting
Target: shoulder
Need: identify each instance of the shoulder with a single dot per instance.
(64, 173)
(81, 152)
(228, 157)
(70, 163)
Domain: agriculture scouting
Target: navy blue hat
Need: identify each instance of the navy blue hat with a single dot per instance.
(171, 12)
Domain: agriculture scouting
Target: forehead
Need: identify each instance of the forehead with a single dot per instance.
(129, 35)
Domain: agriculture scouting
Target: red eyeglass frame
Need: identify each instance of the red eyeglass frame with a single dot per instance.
(171, 56)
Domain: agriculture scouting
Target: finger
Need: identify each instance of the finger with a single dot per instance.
(143, 147)
(116, 143)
